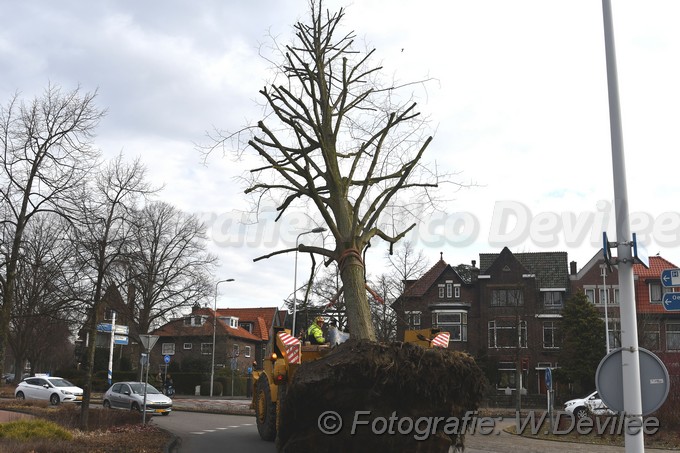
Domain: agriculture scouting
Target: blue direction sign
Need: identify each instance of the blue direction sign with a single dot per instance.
(166, 359)
(670, 277)
(671, 301)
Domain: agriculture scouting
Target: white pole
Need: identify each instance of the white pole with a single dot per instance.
(630, 363)
(212, 367)
(112, 344)
(606, 301)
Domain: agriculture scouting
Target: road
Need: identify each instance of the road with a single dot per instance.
(208, 433)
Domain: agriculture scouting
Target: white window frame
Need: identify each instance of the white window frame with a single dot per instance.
(246, 352)
(494, 329)
(458, 328)
(551, 326)
(413, 319)
(440, 290)
(456, 291)
(187, 346)
(590, 294)
(675, 333)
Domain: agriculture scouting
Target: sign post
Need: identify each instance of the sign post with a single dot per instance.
(548, 388)
(148, 342)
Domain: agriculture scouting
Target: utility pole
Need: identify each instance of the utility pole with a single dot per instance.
(630, 357)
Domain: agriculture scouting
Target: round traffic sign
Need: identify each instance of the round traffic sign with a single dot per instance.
(654, 382)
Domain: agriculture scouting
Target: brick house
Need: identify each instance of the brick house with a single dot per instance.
(505, 313)
(241, 337)
(658, 329)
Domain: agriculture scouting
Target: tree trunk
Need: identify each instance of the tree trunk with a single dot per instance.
(356, 302)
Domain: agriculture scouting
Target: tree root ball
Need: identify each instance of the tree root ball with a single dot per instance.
(386, 397)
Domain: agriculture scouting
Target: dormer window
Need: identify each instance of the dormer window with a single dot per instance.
(194, 321)
(231, 321)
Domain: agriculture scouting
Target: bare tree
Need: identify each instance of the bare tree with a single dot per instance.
(103, 238)
(42, 300)
(336, 138)
(169, 265)
(46, 152)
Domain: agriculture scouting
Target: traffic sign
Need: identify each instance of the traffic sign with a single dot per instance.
(670, 277)
(671, 301)
(107, 327)
(166, 359)
(120, 339)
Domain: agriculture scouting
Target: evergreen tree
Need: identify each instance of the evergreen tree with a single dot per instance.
(583, 341)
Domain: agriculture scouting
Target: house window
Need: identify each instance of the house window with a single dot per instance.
(590, 294)
(552, 299)
(206, 348)
(449, 290)
(454, 322)
(234, 350)
(650, 336)
(246, 326)
(550, 340)
(656, 292)
(187, 321)
(413, 319)
(616, 297)
(507, 298)
(604, 296)
(456, 291)
(672, 337)
(187, 346)
(247, 351)
(503, 334)
(441, 291)
(507, 374)
(614, 334)
(167, 348)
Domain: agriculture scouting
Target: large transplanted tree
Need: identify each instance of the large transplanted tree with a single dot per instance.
(336, 138)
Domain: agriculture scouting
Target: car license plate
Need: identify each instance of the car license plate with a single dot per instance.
(79, 398)
(160, 411)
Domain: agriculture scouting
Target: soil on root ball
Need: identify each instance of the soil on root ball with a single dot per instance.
(365, 396)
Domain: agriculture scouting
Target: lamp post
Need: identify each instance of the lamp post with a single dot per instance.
(603, 271)
(315, 230)
(212, 368)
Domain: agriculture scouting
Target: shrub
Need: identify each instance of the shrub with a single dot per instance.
(205, 388)
(30, 429)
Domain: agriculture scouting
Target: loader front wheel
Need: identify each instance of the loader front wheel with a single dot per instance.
(265, 409)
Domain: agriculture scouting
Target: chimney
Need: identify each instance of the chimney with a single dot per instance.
(572, 268)
(474, 272)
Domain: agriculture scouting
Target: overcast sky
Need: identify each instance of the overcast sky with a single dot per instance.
(518, 100)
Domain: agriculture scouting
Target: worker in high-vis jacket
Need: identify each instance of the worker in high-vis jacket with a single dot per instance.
(314, 333)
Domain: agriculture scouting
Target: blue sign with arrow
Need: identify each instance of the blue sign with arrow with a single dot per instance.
(670, 277)
(671, 301)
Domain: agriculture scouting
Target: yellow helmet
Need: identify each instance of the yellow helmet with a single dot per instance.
(319, 319)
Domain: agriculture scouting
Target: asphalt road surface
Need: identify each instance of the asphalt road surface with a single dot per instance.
(208, 433)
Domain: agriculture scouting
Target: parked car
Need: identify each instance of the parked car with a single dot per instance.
(130, 396)
(583, 407)
(56, 390)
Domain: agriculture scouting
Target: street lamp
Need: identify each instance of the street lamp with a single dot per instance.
(315, 230)
(212, 368)
(603, 272)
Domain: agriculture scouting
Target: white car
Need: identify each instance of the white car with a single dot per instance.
(56, 390)
(130, 396)
(583, 407)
